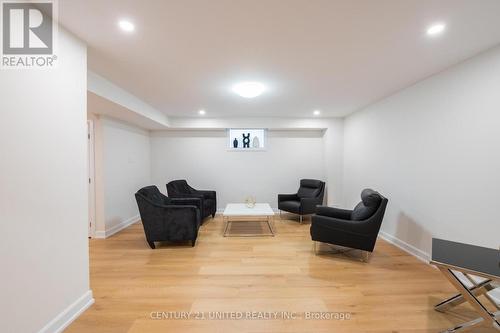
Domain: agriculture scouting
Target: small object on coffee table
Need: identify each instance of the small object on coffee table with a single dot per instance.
(250, 202)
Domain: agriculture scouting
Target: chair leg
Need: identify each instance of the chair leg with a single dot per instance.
(365, 255)
(152, 245)
(213, 215)
(193, 242)
(316, 248)
(300, 219)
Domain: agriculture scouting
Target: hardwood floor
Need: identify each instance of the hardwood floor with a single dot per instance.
(394, 292)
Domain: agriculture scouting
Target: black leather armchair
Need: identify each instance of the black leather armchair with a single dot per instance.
(304, 202)
(181, 189)
(356, 228)
(168, 219)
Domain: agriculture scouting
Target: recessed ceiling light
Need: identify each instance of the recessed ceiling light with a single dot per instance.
(249, 89)
(126, 25)
(436, 29)
(316, 112)
(202, 112)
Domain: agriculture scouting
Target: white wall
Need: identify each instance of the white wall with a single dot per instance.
(43, 193)
(333, 141)
(203, 159)
(434, 151)
(126, 167)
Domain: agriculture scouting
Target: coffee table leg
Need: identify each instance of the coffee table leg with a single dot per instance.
(270, 223)
(226, 220)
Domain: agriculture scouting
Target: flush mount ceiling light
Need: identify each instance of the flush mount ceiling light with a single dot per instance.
(126, 25)
(249, 89)
(436, 29)
(316, 112)
(201, 112)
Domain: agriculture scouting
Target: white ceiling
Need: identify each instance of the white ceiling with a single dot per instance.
(336, 56)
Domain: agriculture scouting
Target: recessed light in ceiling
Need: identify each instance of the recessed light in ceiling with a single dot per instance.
(126, 25)
(436, 29)
(249, 89)
(202, 112)
(316, 112)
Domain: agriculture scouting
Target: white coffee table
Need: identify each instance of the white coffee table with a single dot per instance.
(239, 212)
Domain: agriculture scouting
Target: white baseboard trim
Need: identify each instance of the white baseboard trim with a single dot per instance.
(419, 254)
(66, 317)
(425, 257)
(119, 227)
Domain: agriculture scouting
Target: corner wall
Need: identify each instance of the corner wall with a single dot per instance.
(333, 141)
(123, 165)
(434, 150)
(43, 193)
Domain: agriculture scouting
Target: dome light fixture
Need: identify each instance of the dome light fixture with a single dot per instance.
(249, 89)
(126, 25)
(436, 29)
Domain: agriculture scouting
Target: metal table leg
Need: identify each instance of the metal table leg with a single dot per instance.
(226, 227)
(477, 290)
(469, 296)
(228, 221)
(488, 288)
(270, 223)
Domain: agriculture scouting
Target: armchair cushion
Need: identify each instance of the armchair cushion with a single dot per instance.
(179, 187)
(309, 188)
(370, 197)
(290, 206)
(154, 195)
(362, 212)
(370, 201)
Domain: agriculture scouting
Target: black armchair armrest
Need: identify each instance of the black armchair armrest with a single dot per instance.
(343, 214)
(206, 194)
(212, 195)
(186, 202)
(309, 205)
(186, 195)
(342, 225)
(183, 214)
(288, 197)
